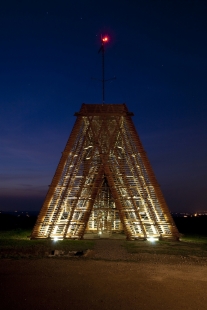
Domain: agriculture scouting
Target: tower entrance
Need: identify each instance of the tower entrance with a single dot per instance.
(104, 219)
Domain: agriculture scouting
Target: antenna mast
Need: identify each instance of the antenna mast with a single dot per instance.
(104, 39)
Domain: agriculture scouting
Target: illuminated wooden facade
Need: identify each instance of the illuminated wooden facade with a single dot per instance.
(104, 183)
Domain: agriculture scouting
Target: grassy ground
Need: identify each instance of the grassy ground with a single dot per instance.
(17, 244)
(189, 245)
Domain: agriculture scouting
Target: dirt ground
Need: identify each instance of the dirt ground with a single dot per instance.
(104, 281)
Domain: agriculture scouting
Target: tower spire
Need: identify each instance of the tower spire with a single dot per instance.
(104, 39)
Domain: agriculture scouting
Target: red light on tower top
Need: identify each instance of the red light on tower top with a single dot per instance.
(105, 39)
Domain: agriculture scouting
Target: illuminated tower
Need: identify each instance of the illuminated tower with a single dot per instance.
(104, 182)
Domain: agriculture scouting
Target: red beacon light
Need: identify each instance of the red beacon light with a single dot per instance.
(105, 39)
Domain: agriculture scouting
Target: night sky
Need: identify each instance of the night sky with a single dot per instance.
(48, 55)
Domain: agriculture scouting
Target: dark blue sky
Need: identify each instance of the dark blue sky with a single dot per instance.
(48, 54)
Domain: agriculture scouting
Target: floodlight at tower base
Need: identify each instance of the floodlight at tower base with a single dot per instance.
(104, 183)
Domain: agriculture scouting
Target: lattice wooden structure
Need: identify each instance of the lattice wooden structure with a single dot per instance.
(104, 183)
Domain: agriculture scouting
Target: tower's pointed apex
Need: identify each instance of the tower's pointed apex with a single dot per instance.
(104, 182)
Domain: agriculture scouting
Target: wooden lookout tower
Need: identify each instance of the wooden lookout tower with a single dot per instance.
(104, 183)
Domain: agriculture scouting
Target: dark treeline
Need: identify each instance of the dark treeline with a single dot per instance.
(12, 222)
(192, 225)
